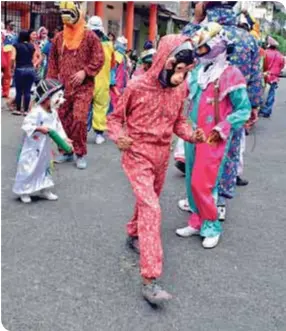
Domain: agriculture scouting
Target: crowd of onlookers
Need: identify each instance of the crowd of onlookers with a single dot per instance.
(24, 61)
(24, 58)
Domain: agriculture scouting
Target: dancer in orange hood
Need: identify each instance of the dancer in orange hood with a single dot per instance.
(76, 57)
(145, 117)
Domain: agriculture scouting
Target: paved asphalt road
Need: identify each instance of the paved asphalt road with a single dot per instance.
(65, 266)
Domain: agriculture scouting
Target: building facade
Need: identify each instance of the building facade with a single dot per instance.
(137, 21)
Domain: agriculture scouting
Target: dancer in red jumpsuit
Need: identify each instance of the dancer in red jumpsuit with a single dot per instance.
(145, 117)
(76, 57)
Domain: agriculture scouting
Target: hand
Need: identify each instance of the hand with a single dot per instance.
(124, 143)
(78, 78)
(214, 137)
(199, 136)
(43, 129)
(69, 141)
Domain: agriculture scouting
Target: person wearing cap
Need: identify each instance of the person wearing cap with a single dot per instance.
(146, 60)
(220, 105)
(119, 74)
(101, 95)
(274, 64)
(34, 162)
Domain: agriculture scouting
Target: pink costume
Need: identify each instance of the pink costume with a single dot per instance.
(153, 113)
(205, 162)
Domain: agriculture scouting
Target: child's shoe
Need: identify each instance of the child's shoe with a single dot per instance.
(154, 294)
(188, 231)
(25, 198)
(47, 194)
(210, 242)
(81, 162)
(61, 158)
(184, 205)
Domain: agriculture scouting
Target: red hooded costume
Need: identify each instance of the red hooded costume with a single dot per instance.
(149, 114)
(63, 64)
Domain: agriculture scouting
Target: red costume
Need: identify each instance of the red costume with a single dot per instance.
(63, 64)
(151, 114)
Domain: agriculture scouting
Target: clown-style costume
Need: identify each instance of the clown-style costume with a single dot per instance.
(34, 162)
(74, 50)
(101, 95)
(244, 56)
(219, 102)
(149, 111)
(119, 74)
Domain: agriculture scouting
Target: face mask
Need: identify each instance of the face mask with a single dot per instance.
(215, 47)
(182, 54)
(70, 12)
(165, 78)
(57, 100)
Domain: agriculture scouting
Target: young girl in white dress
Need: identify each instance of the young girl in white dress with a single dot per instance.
(34, 164)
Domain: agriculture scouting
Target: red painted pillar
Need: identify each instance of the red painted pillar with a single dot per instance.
(153, 22)
(99, 9)
(130, 23)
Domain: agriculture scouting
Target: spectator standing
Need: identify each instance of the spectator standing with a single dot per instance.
(24, 72)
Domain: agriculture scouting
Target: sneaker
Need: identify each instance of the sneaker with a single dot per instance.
(81, 162)
(61, 158)
(221, 210)
(25, 198)
(46, 194)
(184, 205)
(99, 139)
(188, 231)
(241, 182)
(210, 242)
(133, 243)
(154, 294)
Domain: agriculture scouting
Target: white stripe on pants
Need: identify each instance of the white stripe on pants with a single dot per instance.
(241, 154)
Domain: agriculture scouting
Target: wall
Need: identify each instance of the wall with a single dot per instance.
(112, 19)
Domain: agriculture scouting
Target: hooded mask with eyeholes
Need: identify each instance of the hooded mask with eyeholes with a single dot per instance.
(182, 54)
(70, 11)
(214, 41)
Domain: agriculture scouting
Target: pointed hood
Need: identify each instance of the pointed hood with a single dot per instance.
(167, 45)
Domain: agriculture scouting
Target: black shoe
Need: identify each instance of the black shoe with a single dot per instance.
(241, 182)
(133, 243)
(181, 166)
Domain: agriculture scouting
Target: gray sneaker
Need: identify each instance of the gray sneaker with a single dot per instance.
(81, 162)
(154, 294)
